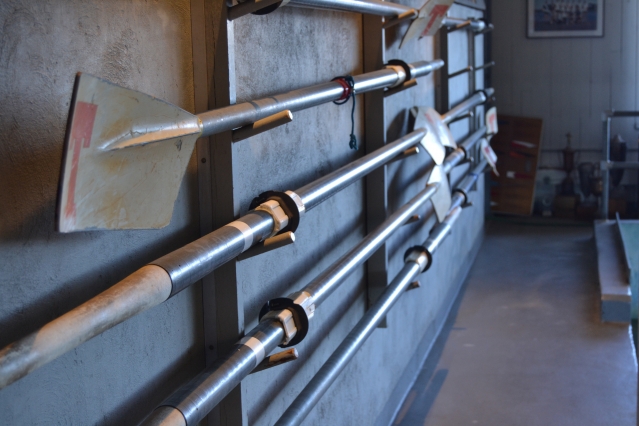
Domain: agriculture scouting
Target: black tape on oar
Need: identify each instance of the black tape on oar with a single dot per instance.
(420, 249)
(407, 69)
(348, 84)
(299, 317)
(286, 203)
(268, 9)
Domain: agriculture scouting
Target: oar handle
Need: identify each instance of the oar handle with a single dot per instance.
(145, 288)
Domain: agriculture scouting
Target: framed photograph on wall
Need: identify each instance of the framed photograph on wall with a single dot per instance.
(565, 18)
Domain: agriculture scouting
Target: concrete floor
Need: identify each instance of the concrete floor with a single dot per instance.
(523, 344)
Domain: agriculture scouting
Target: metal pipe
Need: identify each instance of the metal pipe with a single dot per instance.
(195, 399)
(462, 153)
(605, 174)
(247, 7)
(319, 384)
(317, 191)
(238, 115)
(613, 113)
(155, 283)
(207, 389)
(371, 7)
(460, 72)
(383, 8)
(477, 99)
(612, 165)
(325, 284)
(454, 24)
(486, 65)
(415, 264)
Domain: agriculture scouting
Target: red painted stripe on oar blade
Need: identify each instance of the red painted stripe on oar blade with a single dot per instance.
(438, 11)
(81, 132)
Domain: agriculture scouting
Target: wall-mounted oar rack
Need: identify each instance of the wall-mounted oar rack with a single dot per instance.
(426, 21)
(417, 260)
(155, 283)
(284, 321)
(149, 142)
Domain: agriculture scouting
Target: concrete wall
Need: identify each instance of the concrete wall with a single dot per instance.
(118, 377)
(569, 82)
(314, 45)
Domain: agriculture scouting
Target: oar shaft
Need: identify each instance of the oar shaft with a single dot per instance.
(234, 116)
(322, 188)
(321, 382)
(475, 24)
(372, 7)
(462, 152)
(145, 288)
(155, 283)
(207, 389)
(477, 99)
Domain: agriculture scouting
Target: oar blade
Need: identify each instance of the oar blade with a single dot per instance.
(437, 129)
(125, 156)
(430, 18)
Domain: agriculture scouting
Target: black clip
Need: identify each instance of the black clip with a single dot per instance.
(286, 203)
(299, 317)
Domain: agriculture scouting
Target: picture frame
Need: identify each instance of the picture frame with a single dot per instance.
(565, 18)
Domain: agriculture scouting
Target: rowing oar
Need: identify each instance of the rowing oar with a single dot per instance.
(277, 214)
(417, 260)
(425, 22)
(126, 152)
(285, 321)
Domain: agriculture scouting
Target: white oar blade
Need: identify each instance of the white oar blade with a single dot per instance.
(125, 156)
(431, 120)
(430, 18)
(489, 155)
(430, 142)
(492, 127)
(442, 199)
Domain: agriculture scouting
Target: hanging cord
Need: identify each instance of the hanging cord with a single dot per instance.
(348, 84)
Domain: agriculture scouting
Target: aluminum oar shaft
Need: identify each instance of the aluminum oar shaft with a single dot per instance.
(207, 389)
(371, 7)
(238, 115)
(321, 382)
(155, 283)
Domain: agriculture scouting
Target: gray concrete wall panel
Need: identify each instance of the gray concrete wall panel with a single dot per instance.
(120, 375)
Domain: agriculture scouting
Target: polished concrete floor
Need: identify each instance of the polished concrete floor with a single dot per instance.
(524, 344)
